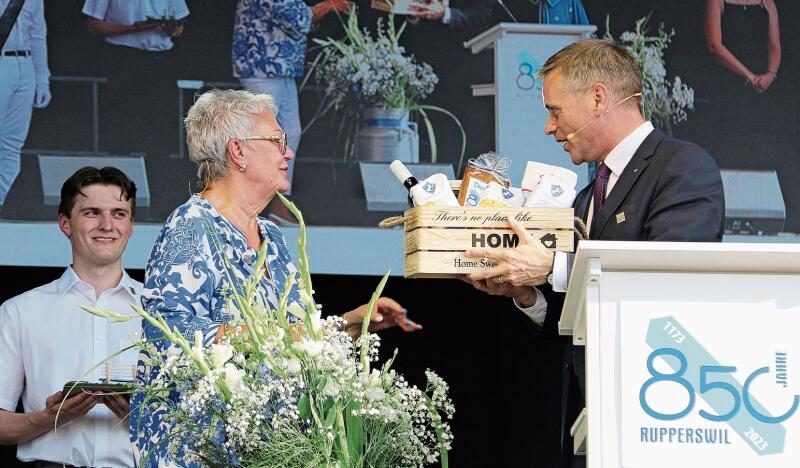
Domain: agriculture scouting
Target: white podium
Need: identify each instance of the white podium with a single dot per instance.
(692, 353)
(520, 49)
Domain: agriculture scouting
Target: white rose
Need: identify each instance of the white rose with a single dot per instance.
(309, 347)
(220, 354)
(234, 378)
(375, 393)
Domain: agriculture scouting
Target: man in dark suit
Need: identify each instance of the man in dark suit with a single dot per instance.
(649, 187)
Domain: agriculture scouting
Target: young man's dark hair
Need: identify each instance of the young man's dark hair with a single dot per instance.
(90, 176)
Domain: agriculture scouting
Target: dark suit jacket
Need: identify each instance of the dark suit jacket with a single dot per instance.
(670, 190)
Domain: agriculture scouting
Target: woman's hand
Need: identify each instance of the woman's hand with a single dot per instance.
(387, 313)
(323, 9)
(762, 82)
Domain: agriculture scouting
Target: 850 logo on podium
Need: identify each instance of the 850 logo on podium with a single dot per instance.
(695, 373)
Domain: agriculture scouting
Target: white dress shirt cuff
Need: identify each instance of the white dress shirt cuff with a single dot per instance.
(538, 311)
(561, 272)
(447, 16)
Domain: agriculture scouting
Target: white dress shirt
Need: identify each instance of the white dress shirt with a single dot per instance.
(129, 12)
(46, 340)
(30, 33)
(616, 160)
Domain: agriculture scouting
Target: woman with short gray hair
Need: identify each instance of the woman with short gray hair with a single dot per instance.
(209, 245)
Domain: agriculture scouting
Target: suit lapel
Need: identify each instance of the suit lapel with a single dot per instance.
(626, 181)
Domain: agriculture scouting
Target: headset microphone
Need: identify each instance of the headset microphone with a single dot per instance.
(571, 136)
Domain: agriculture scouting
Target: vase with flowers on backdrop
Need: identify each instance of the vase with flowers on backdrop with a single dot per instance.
(377, 90)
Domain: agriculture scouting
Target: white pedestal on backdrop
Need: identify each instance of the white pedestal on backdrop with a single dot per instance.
(520, 49)
(692, 356)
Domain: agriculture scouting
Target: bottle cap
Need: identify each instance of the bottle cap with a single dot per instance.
(399, 170)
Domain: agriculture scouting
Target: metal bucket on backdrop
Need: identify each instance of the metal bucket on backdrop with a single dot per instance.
(387, 135)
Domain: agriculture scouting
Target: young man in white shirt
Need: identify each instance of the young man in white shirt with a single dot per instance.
(46, 339)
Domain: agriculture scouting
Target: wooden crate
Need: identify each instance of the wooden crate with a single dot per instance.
(436, 237)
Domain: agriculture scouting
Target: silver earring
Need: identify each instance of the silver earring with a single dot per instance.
(243, 168)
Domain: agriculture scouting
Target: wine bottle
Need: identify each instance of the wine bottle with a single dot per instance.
(404, 175)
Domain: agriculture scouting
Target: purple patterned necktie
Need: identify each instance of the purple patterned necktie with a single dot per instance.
(600, 184)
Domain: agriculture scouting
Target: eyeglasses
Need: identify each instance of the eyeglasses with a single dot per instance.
(280, 139)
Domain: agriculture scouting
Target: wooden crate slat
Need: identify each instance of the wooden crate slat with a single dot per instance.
(495, 217)
(461, 239)
(441, 264)
(435, 237)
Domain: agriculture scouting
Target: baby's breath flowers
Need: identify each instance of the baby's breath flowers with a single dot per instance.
(664, 103)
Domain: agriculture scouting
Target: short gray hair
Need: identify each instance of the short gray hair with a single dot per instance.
(217, 117)
(589, 61)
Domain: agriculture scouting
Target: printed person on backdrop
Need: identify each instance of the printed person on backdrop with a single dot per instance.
(435, 35)
(242, 160)
(24, 80)
(46, 339)
(744, 36)
(138, 56)
(649, 187)
(269, 49)
(466, 14)
(562, 12)
(137, 24)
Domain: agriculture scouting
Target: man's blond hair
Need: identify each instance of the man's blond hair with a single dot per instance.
(590, 61)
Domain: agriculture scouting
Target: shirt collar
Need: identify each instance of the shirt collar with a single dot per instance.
(130, 286)
(69, 279)
(621, 155)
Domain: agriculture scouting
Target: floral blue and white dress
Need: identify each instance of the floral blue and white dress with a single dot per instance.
(269, 38)
(187, 283)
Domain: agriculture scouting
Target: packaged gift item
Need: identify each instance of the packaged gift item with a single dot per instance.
(473, 193)
(433, 191)
(488, 167)
(548, 186)
(551, 192)
(497, 195)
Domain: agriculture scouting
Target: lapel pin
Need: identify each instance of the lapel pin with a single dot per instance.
(635, 170)
(620, 217)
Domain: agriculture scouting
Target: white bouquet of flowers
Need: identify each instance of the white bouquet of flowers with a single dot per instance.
(664, 102)
(376, 71)
(275, 393)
